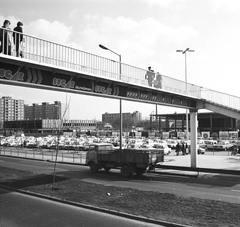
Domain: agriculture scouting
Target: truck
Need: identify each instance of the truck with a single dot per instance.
(129, 161)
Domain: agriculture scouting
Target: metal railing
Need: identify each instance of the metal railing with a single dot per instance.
(61, 56)
(78, 157)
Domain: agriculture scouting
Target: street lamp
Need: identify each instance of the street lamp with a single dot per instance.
(119, 55)
(120, 73)
(186, 88)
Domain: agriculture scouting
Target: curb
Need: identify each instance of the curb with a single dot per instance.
(94, 208)
(163, 169)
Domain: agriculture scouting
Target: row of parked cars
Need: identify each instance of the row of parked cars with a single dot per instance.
(81, 143)
(224, 145)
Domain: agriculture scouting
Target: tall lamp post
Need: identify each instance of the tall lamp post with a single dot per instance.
(186, 87)
(119, 55)
(120, 73)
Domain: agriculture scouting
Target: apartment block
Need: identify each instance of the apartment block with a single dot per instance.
(11, 110)
(45, 111)
(111, 117)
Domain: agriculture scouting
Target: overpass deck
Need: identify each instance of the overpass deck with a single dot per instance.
(56, 56)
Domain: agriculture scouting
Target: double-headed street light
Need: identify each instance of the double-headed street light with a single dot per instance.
(186, 88)
(120, 73)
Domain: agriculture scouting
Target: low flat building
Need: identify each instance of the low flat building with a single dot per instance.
(209, 124)
(48, 126)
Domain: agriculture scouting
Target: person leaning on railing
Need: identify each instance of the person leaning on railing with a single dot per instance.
(18, 38)
(5, 47)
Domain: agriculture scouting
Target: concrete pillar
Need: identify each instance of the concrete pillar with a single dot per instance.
(193, 128)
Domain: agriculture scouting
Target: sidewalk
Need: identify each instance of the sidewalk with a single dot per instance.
(205, 161)
(180, 165)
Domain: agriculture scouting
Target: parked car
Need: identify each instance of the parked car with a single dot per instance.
(210, 144)
(223, 145)
(200, 150)
(172, 143)
(164, 147)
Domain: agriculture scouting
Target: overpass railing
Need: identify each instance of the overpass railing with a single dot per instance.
(55, 54)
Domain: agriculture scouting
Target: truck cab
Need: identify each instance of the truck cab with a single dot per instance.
(97, 148)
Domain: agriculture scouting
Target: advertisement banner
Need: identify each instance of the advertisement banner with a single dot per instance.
(80, 83)
(223, 134)
(205, 135)
(233, 134)
(151, 134)
(180, 135)
(165, 135)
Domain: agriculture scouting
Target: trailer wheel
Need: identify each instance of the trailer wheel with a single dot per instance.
(140, 171)
(126, 171)
(107, 169)
(93, 167)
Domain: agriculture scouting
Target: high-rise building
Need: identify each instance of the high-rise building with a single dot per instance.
(46, 111)
(11, 110)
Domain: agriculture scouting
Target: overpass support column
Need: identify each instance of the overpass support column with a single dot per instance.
(193, 136)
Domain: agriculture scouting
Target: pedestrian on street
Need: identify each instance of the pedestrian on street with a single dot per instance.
(183, 149)
(178, 148)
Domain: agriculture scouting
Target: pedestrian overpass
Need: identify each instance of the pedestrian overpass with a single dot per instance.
(52, 66)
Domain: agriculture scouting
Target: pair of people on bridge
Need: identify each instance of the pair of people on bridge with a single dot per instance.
(5, 38)
(152, 81)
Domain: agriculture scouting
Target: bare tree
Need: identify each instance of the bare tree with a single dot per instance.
(58, 138)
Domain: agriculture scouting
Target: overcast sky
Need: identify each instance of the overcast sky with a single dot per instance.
(145, 33)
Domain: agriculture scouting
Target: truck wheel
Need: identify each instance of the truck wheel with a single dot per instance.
(140, 171)
(93, 167)
(107, 169)
(126, 171)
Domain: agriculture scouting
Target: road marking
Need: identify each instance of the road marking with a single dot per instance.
(235, 190)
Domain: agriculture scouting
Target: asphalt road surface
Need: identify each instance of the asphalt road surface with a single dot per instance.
(19, 210)
(206, 186)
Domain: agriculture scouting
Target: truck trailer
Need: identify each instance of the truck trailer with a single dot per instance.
(129, 161)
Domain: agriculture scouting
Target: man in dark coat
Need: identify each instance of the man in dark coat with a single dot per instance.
(5, 46)
(183, 149)
(178, 148)
(17, 37)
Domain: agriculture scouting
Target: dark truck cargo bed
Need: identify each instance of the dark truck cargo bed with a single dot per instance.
(129, 160)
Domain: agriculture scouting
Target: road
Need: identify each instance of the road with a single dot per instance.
(19, 210)
(206, 186)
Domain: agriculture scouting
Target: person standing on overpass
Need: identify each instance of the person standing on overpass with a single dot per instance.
(5, 46)
(18, 38)
(150, 76)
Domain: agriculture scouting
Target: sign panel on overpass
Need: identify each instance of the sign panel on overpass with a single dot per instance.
(33, 75)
